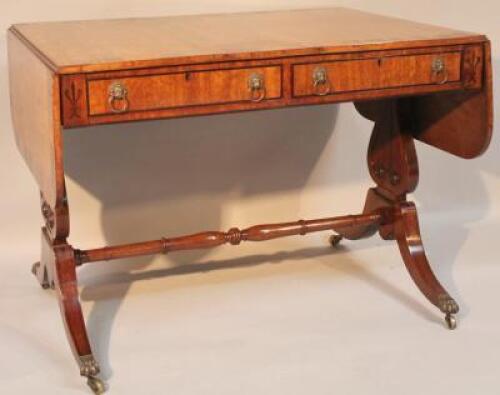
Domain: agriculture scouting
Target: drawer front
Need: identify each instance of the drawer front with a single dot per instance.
(375, 73)
(182, 89)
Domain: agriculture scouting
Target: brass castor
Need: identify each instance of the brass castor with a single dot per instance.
(335, 240)
(451, 321)
(35, 269)
(96, 385)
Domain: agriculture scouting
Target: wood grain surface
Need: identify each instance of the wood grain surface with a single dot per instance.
(185, 89)
(188, 90)
(461, 122)
(379, 73)
(61, 75)
(34, 98)
(98, 45)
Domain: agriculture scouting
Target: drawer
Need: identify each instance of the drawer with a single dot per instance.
(375, 73)
(182, 89)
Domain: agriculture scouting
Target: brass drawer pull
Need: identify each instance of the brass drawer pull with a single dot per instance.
(117, 98)
(439, 71)
(321, 82)
(257, 87)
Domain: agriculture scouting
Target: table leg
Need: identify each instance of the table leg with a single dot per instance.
(57, 270)
(393, 165)
(410, 244)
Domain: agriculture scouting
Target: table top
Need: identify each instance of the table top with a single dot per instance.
(101, 45)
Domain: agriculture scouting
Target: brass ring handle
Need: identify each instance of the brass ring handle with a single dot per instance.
(321, 82)
(118, 93)
(439, 69)
(257, 87)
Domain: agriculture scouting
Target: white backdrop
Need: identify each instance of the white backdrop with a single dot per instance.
(142, 181)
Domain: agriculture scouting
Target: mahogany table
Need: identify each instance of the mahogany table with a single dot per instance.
(414, 81)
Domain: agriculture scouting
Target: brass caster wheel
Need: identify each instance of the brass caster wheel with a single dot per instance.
(451, 321)
(35, 269)
(96, 385)
(335, 240)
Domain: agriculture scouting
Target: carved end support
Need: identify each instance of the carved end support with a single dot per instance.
(56, 219)
(48, 215)
(392, 159)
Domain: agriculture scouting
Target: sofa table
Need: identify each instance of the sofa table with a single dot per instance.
(414, 81)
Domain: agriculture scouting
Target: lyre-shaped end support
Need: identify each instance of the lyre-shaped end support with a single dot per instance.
(393, 165)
